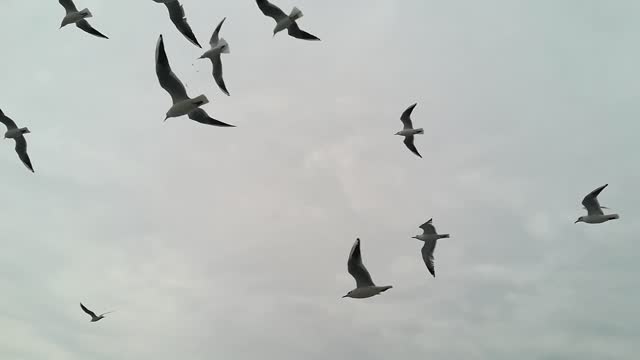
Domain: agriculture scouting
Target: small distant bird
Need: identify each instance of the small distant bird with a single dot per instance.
(284, 21)
(594, 210)
(218, 46)
(408, 131)
(78, 17)
(429, 236)
(17, 134)
(179, 19)
(364, 285)
(94, 318)
(182, 103)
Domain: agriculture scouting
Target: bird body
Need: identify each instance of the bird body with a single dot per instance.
(184, 107)
(408, 131)
(75, 16)
(287, 21)
(284, 21)
(219, 46)
(595, 215)
(365, 287)
(17, 134)
(430, 237)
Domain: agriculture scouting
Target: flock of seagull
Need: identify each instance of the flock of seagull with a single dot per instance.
(182, 105)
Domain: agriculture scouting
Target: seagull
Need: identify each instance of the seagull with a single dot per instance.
(594, 210)
(182, 103)
(17, 134)
(78, 17)
(284, 21)
(94, 318)
(429, 236)
(408, 131)
(218, 46)
(364, 285)
(178, 18)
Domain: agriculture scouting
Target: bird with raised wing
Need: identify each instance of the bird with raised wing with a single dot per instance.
(364, 284)
(74, 16)
(93, 315)
(284, 21)
(595, 215)
(218, 46)
(17, 134)
(179, 19)
(182, 103)
(430, 237)
(408, 131)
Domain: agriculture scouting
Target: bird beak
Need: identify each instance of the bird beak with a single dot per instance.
(165, 119)
(344, 297)
(577, 221)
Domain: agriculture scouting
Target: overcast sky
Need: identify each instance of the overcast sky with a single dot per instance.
(214, 243)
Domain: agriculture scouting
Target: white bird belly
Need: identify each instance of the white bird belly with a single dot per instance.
(283, 24)
(182, 108)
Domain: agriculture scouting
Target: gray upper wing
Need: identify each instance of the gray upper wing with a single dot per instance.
(408, 141)
(217, 73)
(295, 31)
(215, 37)
(84, 25)
(271, 10)
(428, 227)
(68, 5)
(177, 15)
(21, 149)
(356, 267)
(427, 255)
(202, 117)
(406, 117)
(168, 80)
(10, 124)
(591, 203)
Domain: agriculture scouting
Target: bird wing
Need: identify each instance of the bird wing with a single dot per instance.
(10, 124)
(428, 227)
(215, 37)
(217, 73)
(356, 267)
(202, 117)
(427, 255)
(68, 5)
(294, 31)
(408, 141)
(178, 18)
(21, 149)
(84, 25)
(406, 117)
(168, 80)
(91, 313)
(271, 10)
(591, 202)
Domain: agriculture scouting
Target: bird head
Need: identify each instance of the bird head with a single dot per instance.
(348, 295)
(580, 219)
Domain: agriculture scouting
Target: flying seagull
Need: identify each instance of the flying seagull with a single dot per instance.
(78, 17)
(178, 18)
(408, 131)
(182, 103)
(218, 46)
(594, 210)
(17, 134)
(284, 21)
(94, 318)
(364, 285)
(429, 236)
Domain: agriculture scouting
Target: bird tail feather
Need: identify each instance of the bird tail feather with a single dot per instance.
(296, 14)
(86, 13)
(200, 100)
(224, 46)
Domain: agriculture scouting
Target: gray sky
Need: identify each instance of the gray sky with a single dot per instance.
(232, 243)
